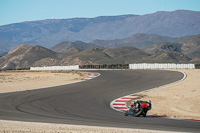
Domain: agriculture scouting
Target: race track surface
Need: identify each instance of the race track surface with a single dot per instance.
(88, 103)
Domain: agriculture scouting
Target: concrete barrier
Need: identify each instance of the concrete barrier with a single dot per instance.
(122, 66)
(161, 66)
(56, 67)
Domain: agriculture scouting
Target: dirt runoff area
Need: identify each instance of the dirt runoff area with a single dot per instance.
(27, 80)
(31, 127)
(166, 101)
(179, 100)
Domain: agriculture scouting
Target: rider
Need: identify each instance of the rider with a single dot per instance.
(133, 107)
(149, 107)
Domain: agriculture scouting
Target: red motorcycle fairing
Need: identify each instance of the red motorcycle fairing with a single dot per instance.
(145, 105)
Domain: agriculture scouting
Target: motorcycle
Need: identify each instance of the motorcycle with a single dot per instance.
(141, 108)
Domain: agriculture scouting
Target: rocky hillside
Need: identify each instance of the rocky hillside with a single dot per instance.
(189, 46)
(25, 56)
(49, 32)
(169, 57)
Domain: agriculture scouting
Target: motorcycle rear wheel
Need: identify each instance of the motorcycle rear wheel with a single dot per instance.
(144, 114)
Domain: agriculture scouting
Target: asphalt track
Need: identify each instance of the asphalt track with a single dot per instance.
(88, 103)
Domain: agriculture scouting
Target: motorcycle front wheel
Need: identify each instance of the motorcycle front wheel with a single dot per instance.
(126, 113)
(140, 112)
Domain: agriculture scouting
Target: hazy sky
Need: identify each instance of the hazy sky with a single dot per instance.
(12, 11)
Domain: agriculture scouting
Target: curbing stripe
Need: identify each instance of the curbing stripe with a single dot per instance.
(119, 104)
(126, 98)
(120, 108)
(94, 75)
(121, 100)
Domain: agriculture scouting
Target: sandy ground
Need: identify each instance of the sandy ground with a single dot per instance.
(168, 100)
(179, 100)
(30, 127)
(26, 80)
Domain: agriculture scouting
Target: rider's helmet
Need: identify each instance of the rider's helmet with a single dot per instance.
(149, 101)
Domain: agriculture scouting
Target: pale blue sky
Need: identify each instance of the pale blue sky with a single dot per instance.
(12, 11)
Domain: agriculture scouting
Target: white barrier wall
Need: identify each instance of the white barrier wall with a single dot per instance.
(131, 66)
(161, 66)
(56, 67)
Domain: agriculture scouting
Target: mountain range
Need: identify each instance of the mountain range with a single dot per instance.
(49, 32)
(185, 50)
(139, 40)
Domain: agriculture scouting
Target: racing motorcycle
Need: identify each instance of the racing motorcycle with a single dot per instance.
(140, 108)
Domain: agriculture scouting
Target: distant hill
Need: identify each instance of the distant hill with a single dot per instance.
(25, 56)
(139, 40)
(89, 56)
(71, 51)
(122, 55)
(126, 55)
(60, 47)
(163, 47)
(49, 32)
(189, 46)
(169, 57)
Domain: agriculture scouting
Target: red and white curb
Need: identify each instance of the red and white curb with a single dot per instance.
(94, 75)
(119, 104)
